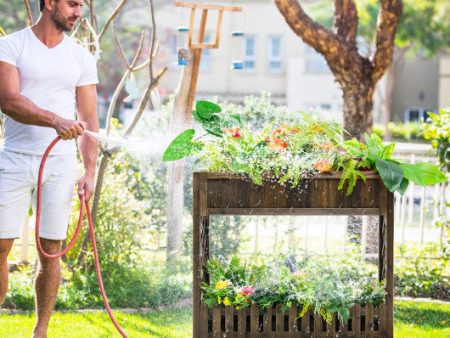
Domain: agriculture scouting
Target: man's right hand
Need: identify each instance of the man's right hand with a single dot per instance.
(69, 129)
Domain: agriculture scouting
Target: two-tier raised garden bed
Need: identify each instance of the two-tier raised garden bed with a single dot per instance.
(226, 194)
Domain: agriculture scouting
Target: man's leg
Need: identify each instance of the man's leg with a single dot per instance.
(5, 248)
(47, 283)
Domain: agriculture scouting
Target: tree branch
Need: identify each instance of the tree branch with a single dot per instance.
(388, 19)
(152, 46)
(29, 14)
(144, 101)
(346, 21)
(119, 45)
(339, 53)
(111, 18)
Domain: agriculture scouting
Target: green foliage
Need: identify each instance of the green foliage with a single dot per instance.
(391, 173)
(418, 274)
(291, 152)
(324, 285)
(182, 146)
(437, 129)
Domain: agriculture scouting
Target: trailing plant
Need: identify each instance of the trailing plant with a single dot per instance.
(292, 152)
(325, 285)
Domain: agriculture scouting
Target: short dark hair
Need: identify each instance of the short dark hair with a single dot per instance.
(41, 5)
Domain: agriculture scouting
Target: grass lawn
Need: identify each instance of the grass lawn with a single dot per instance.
(412, 319)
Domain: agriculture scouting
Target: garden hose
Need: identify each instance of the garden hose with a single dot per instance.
(84, 206)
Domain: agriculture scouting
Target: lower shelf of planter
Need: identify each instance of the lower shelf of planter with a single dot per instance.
(365, 321)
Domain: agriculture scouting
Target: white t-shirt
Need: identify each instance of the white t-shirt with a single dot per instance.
(48, 77)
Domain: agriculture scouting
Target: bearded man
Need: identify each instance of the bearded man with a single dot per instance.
(47, 88)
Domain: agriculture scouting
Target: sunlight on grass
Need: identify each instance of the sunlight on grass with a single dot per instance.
(412, 319)
(168, 324)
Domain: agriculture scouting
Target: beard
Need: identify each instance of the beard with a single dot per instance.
(61, 23)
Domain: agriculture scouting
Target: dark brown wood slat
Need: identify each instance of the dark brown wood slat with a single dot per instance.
(317, 325)
(305, 325)
(369, 320)
(292, 211)
(356, 320)
(267, 322)
(242, 322)
(334, 175)
(203, 320)
(382, 320)
(254, 318)
(229, 319)
(293, 313)
(216, 324)
(279, 319)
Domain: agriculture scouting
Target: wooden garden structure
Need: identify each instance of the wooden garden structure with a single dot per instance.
(226, 194)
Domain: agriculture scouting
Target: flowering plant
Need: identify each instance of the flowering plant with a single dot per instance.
(292, 152)
(324, 285)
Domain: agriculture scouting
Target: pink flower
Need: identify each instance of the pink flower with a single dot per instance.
(247, 290)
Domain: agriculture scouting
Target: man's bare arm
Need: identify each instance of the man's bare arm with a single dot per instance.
(88, 146)
(23, 110)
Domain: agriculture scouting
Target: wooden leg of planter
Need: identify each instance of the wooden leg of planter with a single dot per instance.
(200, 247)
(390, 265)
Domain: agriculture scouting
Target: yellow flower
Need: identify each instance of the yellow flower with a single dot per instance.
(219, 301)
(226, 301)
(222, 284)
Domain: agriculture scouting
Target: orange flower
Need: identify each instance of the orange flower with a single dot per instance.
(326, 146)
(323, 165)
(234, 132)
(277, 144)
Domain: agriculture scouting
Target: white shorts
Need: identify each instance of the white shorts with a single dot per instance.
(18, 191)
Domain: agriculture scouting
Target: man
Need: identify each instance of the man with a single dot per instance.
(46, 79)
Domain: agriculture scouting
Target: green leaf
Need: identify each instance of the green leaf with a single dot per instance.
(423, 173)
(205, 110)
(388, 151)
(391, 173)
(182, 146)
(374, 146)
(403, 186)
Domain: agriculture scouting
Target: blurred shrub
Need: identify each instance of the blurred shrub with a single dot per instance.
(418, 275)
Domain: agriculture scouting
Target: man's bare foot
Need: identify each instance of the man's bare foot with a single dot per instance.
(39, 334)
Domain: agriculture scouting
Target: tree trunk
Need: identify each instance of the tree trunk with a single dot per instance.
(358, 105)
(175, 195)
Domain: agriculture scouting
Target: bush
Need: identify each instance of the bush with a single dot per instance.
(125, 288)
(400, 131)
(419, 276)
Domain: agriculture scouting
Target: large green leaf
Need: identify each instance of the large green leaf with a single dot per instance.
(403, 186)
(391, 173)
(423, 173)
(388, 151)
(205, 110)
(375, 146)
(182, 146)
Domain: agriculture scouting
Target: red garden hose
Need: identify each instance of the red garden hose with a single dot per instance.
(84, 205)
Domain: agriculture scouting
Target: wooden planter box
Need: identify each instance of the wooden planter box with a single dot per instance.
(225, 194)
(366, 321)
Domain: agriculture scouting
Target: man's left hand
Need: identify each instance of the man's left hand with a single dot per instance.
(86, 186)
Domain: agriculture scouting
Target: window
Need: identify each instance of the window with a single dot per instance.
(249, 53)
(416, 114)
(275, 55)
(315, 62)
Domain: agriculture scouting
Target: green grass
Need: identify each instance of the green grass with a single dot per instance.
(421, 320)
(175, 323)
(412, 320)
